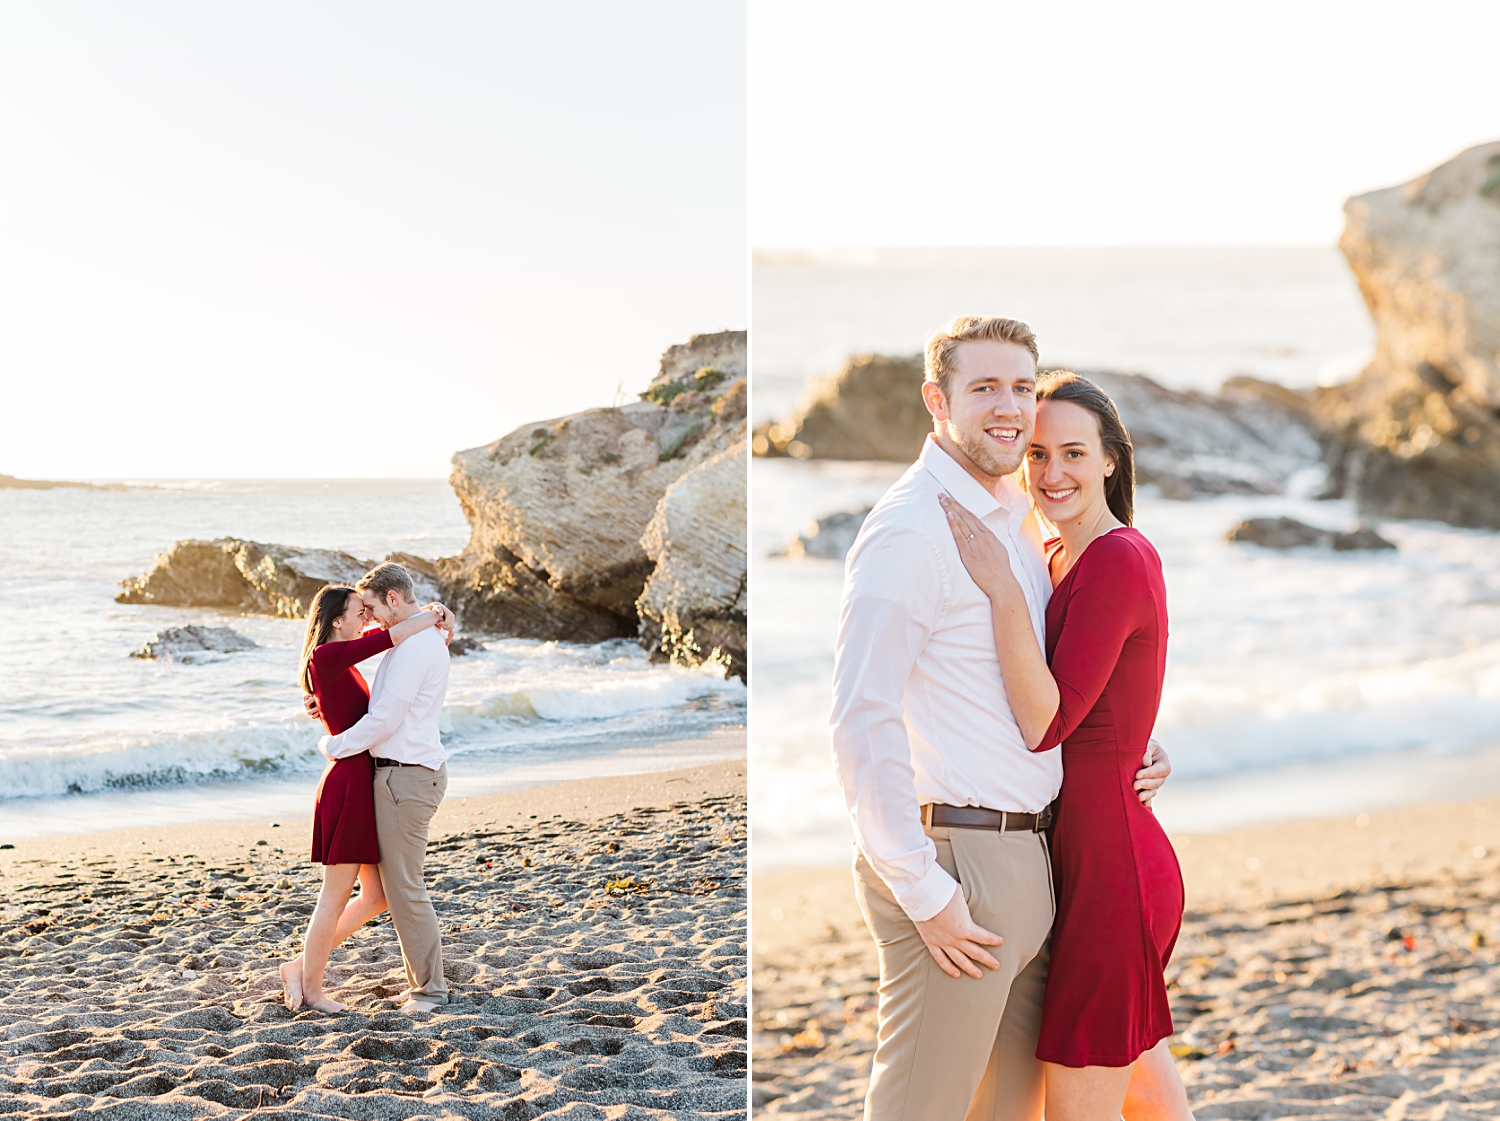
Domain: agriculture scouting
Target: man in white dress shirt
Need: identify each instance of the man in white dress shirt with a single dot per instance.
(400, 731)
(948, 805)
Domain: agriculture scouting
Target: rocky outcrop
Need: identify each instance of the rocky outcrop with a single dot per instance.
(1252, 437)
(693, 607)
(871, 409)
(1288, 533)
(557, 509)
(255, 578)
(569, 519)
(193, 644)
(1417, 434)
(828, 538)
(10, 482)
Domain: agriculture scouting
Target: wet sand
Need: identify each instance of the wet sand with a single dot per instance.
(594, 939)
(1340, 968)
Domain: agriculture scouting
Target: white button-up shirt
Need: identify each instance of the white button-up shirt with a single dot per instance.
(406, 703)
(919, 707)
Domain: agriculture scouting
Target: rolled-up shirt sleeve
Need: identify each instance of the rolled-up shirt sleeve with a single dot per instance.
(894, 593)
(398, 688)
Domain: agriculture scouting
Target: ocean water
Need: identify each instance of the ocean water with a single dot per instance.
(1187, 316)
(1298, 684)
(93, 738)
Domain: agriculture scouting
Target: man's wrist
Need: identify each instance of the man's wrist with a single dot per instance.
(930, 895)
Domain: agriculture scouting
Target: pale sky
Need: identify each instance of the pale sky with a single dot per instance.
(880, 123)
(349, 239)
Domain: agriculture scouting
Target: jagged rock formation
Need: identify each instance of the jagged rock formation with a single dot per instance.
(193, 644)
(557, 509)
(255, 578)
(1417, 434)
(1252, 437)
(828, 538)
(1288, 533)
(871, 409)
(693, 608)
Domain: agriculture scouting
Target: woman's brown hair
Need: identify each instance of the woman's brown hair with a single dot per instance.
(327, 605)
(1119, 486)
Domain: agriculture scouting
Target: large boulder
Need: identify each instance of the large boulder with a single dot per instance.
(1417, 434)
(1252, 437)
(255, 578)
(557, 509)
(693, 608)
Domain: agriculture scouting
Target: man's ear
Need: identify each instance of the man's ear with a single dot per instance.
(932, 397)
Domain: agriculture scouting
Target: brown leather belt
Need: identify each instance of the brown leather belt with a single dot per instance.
(936, 814)
(382, 762)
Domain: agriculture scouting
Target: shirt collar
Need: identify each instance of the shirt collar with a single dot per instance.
(967, 490)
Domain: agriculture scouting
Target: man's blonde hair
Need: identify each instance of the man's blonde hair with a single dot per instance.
(389, 577)
(942, 344)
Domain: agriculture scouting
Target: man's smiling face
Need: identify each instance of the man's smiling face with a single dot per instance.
(989, 411)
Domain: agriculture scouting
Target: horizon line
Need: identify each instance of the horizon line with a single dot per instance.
(902, 246)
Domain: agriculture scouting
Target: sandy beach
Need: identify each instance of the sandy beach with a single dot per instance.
(594, 939)
(1335, 968)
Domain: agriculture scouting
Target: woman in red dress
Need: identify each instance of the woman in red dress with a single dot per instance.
(343, 835)
(1105, 1017)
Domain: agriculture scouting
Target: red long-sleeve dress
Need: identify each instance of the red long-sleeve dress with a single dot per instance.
(1119, 888)
(344, 815)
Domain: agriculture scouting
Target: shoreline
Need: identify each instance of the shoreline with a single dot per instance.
(594, 938)
(582, 800)
(290, 798)
(1335, 966)
(1280, 796)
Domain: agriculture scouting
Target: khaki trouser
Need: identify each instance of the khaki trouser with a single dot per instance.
(405, 800)
(951, 1049)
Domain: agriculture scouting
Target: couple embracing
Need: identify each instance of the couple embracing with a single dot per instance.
(385, 778)
(994, 698)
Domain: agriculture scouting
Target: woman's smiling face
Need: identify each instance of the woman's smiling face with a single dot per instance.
(353, 620)
(1066, 465)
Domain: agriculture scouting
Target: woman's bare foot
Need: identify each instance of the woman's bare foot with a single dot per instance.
(291, 983)
(325, 1004)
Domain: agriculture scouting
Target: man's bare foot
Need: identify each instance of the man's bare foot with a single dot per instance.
(415, 1005)
(325, 1004)
(291, 983)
